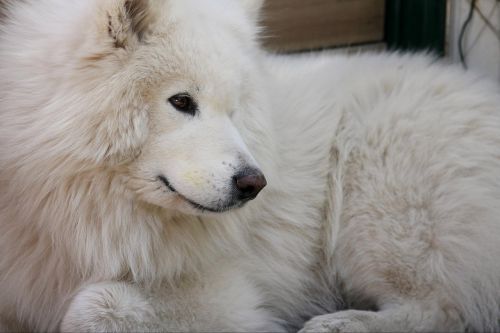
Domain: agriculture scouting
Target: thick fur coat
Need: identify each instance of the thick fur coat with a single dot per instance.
(118, 213)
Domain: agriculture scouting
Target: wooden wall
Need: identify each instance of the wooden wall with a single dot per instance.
(293, 25)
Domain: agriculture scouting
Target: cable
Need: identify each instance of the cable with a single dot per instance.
(488, 22)
(462, 33)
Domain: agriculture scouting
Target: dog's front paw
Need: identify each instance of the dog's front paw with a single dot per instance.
(109, 307)
(340, 322)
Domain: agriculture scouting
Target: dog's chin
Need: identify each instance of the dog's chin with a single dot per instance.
(185, 204)
(197, 209)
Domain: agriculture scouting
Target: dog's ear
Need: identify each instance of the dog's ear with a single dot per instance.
(128, 21)
(253, 7)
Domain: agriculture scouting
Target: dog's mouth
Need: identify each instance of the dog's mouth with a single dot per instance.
(197, 206)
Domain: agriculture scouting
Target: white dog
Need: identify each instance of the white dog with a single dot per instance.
(134, 134)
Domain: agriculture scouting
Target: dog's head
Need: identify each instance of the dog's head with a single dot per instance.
(194, 158)
(153, 91)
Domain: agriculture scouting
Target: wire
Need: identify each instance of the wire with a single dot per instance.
(488, 22)
(462, 33)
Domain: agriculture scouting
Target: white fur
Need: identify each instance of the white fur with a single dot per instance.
(383, 178)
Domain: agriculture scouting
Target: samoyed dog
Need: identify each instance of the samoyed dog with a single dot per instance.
(135, 134)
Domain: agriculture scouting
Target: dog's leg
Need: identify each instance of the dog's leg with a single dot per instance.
(110, 307)
(420, 317)
(8, 324)
(3, 326)
(223, 301)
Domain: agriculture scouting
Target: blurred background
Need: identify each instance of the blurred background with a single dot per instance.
(466, 32)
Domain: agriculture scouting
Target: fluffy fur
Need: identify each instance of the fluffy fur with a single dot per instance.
(383, 175)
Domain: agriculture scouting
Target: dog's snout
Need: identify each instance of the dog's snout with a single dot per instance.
(249, 183)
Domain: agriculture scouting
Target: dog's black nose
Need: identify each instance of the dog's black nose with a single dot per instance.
(249, 183)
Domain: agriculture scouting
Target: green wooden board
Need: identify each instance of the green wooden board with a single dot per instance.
(416, 25)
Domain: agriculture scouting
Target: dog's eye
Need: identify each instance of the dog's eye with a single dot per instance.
(184, 103)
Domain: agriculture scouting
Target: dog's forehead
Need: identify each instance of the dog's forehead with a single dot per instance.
(197, 17)
(190, 50)
(203, 52)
